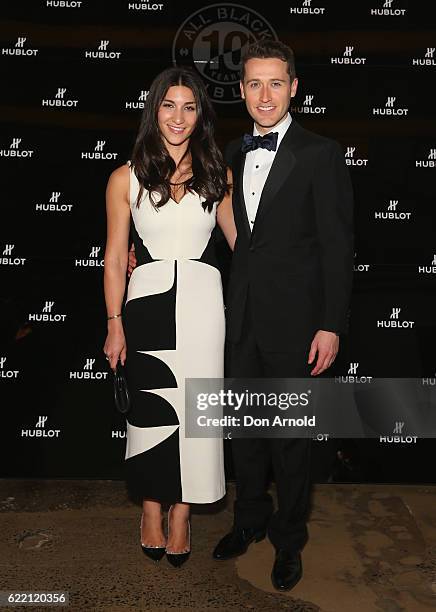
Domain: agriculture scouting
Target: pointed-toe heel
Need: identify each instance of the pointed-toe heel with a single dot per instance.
(177, 559)
(155, 553)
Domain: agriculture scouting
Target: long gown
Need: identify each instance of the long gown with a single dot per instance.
(174, 325)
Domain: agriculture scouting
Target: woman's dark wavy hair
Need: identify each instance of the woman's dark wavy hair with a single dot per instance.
(150, 159)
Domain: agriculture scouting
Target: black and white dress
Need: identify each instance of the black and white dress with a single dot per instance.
(174, 326)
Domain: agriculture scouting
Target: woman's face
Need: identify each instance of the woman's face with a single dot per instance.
(177, 115)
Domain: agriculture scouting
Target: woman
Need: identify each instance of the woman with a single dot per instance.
(170, 196)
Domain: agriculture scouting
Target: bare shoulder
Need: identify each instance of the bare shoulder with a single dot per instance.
(120, 176)
(119, 181)
(118, 188)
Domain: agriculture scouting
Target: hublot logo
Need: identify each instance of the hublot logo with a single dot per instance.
(352, 376)
(392, 214)
(88, 373)
(40, 431)
(390, 109)
(19, 48)
(139, 104)
(398, 438)
(348, 58)
(427, 60)
(394, 320)
(93, 260)
(7, 260)
(431, 269)
(387, 10)
(98, 152)
(430, 162)
(69, 4)
(307, 9)
(360, 267)
(5, 373)
(47, 316)
(308, 107)
(145, 6)
(53, 205)
(350, 160)
(15, 151)
(60, 100)
(102, 52)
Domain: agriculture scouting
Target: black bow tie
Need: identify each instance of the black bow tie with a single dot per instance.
(250, 143)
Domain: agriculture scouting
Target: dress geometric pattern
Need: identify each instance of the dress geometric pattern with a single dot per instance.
(174, 326)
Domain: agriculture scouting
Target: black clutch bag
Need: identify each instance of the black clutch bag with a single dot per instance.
(121, 392)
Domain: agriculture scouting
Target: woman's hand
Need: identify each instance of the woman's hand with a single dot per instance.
(115, 345)
(132, 262)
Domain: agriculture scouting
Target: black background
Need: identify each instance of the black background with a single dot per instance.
(44, 353)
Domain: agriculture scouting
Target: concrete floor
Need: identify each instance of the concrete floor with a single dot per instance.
(371, 547)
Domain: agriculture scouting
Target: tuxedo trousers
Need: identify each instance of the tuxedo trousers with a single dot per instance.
(254, 457)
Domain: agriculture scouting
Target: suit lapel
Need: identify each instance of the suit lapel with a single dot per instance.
(282, 166)
(238, 171)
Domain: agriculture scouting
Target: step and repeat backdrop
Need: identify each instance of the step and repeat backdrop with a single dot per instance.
(75, 76)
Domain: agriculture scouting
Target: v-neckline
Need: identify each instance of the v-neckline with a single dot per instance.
(181, 199)
(186, 192)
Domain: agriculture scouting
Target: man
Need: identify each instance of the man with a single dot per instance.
(288, 292)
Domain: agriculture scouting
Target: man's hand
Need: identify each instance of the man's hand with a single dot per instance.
(132, 261)
(326, 344)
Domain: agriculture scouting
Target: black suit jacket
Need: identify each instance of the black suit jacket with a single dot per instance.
(296, 265)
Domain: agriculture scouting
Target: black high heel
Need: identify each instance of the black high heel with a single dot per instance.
(177, 559)
(155, 553)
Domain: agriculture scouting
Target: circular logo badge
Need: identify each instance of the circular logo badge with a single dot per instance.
(212, 39)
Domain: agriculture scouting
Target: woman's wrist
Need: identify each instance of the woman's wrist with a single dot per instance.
(115, 324)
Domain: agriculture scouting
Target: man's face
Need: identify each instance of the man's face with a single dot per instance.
(267, 91)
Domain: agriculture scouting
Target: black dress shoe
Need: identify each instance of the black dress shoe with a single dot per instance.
(287, 570)
(236, 542)
(155, 553)
(177, 559)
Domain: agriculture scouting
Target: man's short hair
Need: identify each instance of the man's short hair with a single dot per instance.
(265, 49)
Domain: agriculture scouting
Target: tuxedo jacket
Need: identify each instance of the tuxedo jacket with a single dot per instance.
(296, 264)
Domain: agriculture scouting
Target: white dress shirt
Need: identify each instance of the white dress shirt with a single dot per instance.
(257, 166)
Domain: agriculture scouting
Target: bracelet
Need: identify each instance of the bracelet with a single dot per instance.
(114, 317)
